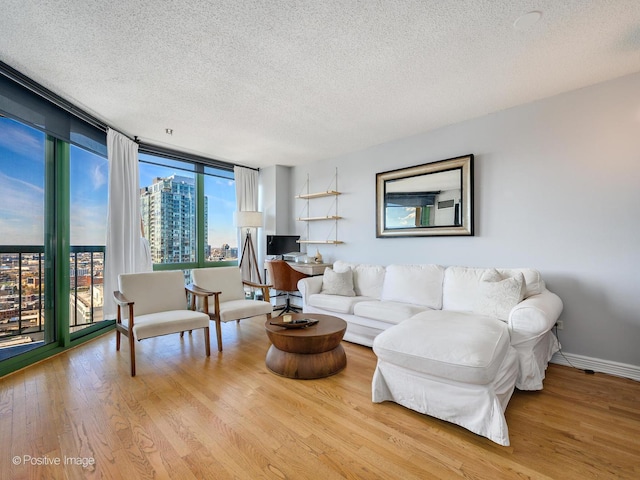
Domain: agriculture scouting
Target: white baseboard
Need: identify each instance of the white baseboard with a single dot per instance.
(597, 365)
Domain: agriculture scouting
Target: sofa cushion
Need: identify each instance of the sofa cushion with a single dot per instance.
(389, 312)
(461, 285)
(416, 284)
(335, 303)
(338, 283)
(498, 294)
(460, 288)
(456, 346)
(367, 279)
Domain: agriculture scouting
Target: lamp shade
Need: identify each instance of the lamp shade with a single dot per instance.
(245, 219)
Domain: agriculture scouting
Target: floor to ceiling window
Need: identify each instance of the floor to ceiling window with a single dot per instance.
(53, 195)
(168, 208)
(187, 213)
(88, 181)
(220, 194)
(53, 211)
(22, 239)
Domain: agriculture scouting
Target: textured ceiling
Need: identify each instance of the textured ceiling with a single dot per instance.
(287, 82)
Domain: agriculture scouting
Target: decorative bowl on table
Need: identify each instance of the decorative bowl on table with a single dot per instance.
(301, 323)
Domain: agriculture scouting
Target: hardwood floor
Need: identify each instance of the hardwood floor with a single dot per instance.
(185, 416)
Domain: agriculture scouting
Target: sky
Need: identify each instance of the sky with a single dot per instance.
(22, 192)
(21, 184)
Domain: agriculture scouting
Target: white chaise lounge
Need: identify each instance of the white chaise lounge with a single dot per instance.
(451, 342)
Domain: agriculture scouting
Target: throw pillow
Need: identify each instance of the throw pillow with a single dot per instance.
(338, 283)
(499, 294)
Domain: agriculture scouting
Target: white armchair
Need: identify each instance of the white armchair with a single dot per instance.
(226, 286)
(153, 304)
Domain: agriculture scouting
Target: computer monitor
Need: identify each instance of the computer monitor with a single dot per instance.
(282, 244)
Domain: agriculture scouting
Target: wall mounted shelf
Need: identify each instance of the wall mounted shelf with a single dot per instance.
(325, 242)
(308, 218)
(313, 219)
(307, 196)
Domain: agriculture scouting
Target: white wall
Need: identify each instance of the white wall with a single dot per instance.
(557, 188)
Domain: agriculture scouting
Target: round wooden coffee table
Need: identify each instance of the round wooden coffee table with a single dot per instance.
(306, 353)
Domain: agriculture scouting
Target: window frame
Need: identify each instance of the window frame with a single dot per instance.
(30, 103)
(199, 173)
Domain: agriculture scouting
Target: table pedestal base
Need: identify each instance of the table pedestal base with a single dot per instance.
(306, 366)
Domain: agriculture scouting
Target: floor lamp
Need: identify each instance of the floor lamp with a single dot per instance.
(249, 220)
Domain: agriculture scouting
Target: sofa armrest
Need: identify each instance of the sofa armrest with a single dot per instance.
(308, 286)
(534, 316)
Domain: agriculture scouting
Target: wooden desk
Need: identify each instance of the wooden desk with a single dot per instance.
(310, 268)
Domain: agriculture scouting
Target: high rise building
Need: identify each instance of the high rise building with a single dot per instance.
(168, 208)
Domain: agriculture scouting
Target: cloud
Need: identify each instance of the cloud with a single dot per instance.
(20, 193)
(20, 139)
(21, 212)
(98, 177)
(22, 231)
(410, 218)
(401, 217)
(88, 224)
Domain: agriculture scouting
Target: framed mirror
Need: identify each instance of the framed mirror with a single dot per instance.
(434, 199)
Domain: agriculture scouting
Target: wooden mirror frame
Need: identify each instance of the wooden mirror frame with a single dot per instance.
(425, 175)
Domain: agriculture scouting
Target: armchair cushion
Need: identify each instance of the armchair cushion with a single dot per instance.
(227, 280)
(239, 309)
(226, 284)
(164, 323)
(154, 292)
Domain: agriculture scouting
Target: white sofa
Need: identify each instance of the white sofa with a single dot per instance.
(452, 342)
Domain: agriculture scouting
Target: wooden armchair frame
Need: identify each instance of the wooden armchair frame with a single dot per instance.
(127, 330)
(205, 294)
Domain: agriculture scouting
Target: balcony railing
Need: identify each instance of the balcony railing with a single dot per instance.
(86, 276)
(22, 287)
(21, 293)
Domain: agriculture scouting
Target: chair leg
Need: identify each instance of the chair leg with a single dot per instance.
(207, 343)
(132, 353)
(219, 334)
(288, 308)
(118, 340)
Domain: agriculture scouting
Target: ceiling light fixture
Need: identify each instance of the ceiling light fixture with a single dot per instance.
(168, 131)
(528, 20)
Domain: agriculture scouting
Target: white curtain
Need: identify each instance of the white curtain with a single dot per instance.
(126, 251)
(247, 200)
